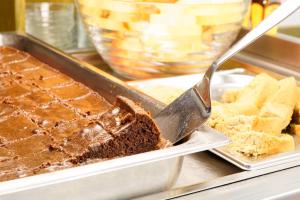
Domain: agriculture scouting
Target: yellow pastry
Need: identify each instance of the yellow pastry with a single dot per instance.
(277, 111)
(255, 116)
(255, 143)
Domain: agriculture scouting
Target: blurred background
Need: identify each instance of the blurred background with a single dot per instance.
(146, 44)
(54, 21)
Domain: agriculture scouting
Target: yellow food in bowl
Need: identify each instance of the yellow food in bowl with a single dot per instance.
(146, 38)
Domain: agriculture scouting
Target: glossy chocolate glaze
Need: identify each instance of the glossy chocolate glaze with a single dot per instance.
(48, 121)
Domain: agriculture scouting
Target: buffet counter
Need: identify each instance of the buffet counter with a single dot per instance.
(205, 175)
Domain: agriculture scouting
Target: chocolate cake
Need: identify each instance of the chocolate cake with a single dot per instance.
(48, 121)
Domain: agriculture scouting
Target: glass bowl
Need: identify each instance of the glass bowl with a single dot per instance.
(151, 38)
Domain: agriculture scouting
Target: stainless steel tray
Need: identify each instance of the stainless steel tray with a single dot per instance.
(223, 81)
(205, 175)
(244, 162)
(119, 178)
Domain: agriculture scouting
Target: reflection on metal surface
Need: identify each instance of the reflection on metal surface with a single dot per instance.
(234, 182)
(205, 171)
(117, 178)
(220, 84)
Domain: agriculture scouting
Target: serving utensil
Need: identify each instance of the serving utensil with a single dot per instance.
(189, 111)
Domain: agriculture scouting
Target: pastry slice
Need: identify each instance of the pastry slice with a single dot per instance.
(248, 100)
(276, 113)
(253, 143)
(260, 88)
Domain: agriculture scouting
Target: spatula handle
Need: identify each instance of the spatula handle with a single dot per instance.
(282, 12)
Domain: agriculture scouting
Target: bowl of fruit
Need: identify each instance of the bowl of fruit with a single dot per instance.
(151, 38)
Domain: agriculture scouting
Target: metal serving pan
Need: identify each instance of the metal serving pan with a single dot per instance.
(204, 174)
(119, 178)
(224, 80)
(244, 162)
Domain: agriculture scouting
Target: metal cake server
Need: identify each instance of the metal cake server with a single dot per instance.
(189, 111)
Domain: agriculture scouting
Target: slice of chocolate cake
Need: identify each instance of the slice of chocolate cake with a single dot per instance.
(125, 129)
(48, 121)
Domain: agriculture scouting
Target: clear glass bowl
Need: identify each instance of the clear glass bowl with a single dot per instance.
(46, 20)
(150, 38)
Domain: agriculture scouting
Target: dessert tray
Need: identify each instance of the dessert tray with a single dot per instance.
(117, 178)
(224, 80)
(204, 175)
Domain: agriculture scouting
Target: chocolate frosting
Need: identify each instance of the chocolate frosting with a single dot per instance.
(48, 121)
